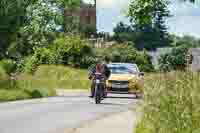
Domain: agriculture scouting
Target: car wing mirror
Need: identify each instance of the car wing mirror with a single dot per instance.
(141, 74)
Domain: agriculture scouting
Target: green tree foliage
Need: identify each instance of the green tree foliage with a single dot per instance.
(123, 33)
(174, 60)
(71, 50)
(193, 1)
(70, 4)
(40, 56)
(148, 18)
(31, 23)
(42, 20)
(9, 66)
(88, 30)
(12, 16)
(65, 50)
(186, 41)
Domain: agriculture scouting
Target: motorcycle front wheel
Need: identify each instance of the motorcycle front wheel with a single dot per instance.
(97, 94)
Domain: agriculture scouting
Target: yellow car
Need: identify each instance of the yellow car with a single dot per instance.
(125, 78)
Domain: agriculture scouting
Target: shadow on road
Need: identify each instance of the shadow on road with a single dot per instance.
(85, 96)
(117, 97)
(113, 104)
(75, 96)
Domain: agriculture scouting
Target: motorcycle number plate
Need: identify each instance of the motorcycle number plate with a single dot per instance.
(97, 81)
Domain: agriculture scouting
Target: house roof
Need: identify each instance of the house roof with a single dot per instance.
(195, 51)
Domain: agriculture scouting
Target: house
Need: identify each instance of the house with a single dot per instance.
(195, 52)
(86, 14)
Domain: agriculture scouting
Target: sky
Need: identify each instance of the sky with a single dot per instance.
(185, 20)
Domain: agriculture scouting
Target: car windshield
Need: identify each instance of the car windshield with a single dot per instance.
(123, 70)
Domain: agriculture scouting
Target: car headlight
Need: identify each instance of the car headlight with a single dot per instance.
(108, 83)
(133, 81)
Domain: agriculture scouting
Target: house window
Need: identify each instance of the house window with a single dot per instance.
(88, 19)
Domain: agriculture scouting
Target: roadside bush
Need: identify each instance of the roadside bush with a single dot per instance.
(127, 54)
(8, 66)
(67, 50)
(87, 61)
(21, 94)
(174, 60)
(71, 50)
(40, 56)
(3, 74)
(29, 64)
(38, 93)
(144, 62)
(45, 56)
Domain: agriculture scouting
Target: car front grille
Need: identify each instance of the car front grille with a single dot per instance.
(119, 86)
(119, 82)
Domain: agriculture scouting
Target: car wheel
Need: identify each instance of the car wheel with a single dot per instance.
(139, 96)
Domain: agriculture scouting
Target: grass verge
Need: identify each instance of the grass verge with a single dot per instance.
(43, 83)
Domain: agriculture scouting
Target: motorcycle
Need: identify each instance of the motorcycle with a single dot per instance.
(99, 87)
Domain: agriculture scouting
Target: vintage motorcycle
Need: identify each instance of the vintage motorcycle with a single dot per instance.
(100, 87)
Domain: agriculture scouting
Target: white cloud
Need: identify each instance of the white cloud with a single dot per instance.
(105, 3)
(114, 4)
(185, 25)
(89, 1)
(186, 18)
(184, 9)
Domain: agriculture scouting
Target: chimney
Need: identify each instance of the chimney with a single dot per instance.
(95, 3)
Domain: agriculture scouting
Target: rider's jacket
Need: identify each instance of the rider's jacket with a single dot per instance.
(100, 68)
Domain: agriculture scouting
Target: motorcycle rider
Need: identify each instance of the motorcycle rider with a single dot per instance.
(100, 67)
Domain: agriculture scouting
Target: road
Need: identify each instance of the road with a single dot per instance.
(58, 114)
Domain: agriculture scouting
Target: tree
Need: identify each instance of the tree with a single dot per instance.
(128, 54)
(42, 21)
(148, 19)
(72, 50)
(30, 23)
(190, 0)
(12, 16)
(123, 33)
(186, 41)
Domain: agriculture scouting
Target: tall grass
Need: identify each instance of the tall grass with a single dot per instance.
(171, 104)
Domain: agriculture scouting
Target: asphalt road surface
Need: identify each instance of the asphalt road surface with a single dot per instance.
(58, 114)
